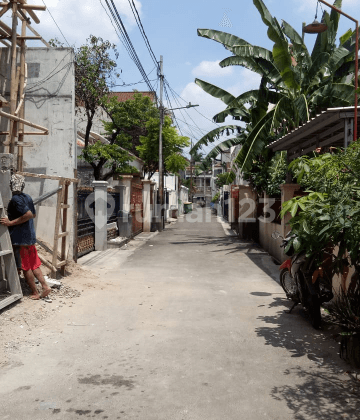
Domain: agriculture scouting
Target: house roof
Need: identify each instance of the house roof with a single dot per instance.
(330, 128)
(124, 96)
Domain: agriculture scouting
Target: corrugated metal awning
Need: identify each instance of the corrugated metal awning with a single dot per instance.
(332, 127)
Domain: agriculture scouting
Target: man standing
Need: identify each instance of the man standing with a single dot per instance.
(21, 212)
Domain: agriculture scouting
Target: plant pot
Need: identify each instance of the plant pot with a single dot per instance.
(350, 349)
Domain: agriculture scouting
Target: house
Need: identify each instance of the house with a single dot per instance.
(85, 170)
(49, 102)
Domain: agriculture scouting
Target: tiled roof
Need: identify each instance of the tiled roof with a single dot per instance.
(124, 96)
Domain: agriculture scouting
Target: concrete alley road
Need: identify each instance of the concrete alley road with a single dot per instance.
(191, 326)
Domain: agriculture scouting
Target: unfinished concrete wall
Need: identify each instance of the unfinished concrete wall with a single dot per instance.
(49, 102)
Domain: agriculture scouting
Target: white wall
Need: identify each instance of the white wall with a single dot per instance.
(49, 102)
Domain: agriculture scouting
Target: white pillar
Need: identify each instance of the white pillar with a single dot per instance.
(146, 205)
(100, 197)
(126, 182)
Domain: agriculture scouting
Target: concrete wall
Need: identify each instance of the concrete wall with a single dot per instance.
(49, 102)
(183, 198)
(272, 246)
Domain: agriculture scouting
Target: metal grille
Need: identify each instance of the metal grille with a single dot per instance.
(85, 226)
(117, 199)
(136, 208)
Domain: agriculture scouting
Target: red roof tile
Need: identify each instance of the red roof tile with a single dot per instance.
(124, 96)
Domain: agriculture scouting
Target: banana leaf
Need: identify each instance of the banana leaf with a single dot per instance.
(215, 91)
(297, 42)
(338, 57)
(259, 65)
(281, 53)
(224, 38)
(242, 114)
(221, 147)
(213, 135)
(337, 94)
(302, 108)
(252, 51)
(255, 143)
(311, 77)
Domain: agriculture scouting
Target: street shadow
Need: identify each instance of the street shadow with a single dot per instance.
(320, 387)
(227, 244)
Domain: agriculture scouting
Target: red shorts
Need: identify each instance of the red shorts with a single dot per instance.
(29, 258)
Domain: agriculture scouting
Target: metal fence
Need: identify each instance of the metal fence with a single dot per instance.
(85, 225)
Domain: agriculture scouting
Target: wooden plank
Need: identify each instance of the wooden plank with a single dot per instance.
(13, 89)
(6, 45)
(64, 228)
(28, 7)
(5, 9)
(35, 38)
(7, 30)
(63, 234)
(35, 32)
(14, 118)
(75, 219)
(56, 178)
(60, 199)
(61, 264)
(31, 12)
(65, 206)
(21, 106)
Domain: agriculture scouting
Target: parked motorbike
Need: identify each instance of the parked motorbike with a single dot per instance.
(304, 282)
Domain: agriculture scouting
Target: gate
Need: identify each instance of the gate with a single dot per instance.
(136, 208)
(85, 225)
(226, 205)
(117, 197)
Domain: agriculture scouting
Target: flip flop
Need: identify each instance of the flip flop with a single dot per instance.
(46, 299)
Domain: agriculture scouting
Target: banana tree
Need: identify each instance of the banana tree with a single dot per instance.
(295, 84)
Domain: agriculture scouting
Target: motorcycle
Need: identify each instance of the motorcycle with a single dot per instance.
(303, 281)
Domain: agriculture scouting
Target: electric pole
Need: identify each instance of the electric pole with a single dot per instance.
(161, 164)
(191, 174)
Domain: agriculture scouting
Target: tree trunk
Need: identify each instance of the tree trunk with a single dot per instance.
(88, 129)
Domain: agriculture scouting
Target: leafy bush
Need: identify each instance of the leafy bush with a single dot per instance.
(216, 198)
(268, 175)
(330, 214)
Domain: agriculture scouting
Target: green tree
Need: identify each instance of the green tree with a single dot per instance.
(128, 119)
(173, 144)
(95, 73)
(127, 123)
(295, 85)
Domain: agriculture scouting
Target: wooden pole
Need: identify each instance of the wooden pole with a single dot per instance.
(18, 119)
(21, 94)
(75, 217)
(60, 198)
(64, 227)
(13, 77)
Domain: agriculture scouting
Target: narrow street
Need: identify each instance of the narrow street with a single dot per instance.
(191, 325)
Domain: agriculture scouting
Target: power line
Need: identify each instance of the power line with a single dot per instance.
(56, 24)
(142, 31)
(194, 108)
(127, 41)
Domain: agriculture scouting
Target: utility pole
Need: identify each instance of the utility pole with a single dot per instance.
(205, 186)
(161, 163)
(191, 173)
